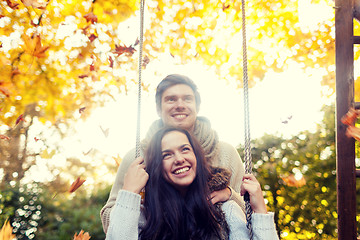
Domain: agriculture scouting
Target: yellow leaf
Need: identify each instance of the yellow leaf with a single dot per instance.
(6, 231)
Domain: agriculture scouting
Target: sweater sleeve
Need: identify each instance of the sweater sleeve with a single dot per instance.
(262, 224)
(124, 218)
(118, 184)
(230, 159)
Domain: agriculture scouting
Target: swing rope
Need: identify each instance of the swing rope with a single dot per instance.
(137, 148)
(247, 150)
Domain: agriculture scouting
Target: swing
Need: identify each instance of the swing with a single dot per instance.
(247, 149)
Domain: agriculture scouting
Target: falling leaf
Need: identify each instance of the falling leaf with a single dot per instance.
(81, 110)
(6, 138)
(136, 42)
(86, 153)
(105, 132)
(33, 46)
(36, 139)
(225, 6)
(83, 76)
(172, 55)
(111, 62)
(82, 236)
(12, 5)
(350, 117)
(34, 4)
(92, 66)
(354, 132)
(291, 181)
(118, 160)
(6, 231)
(146, 61)
(76, 184)
(91, 17)
(20, 118)
(92, 37)
(124, 49)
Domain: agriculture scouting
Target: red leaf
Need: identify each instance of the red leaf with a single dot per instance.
(83, 76)
(36, 139)
(81, 110)
(76, 184)
(111, 62)
(12, 5)
(91, 17)
(4, 137)
(92, 37)
(350, 117)
(20, 118)
(124, 49)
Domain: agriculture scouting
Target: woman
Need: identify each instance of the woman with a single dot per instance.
(177, 198)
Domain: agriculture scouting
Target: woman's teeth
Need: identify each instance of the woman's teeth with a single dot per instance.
(185, 169)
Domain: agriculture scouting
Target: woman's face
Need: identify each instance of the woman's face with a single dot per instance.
(179, 161)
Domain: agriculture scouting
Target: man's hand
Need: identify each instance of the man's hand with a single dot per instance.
(220, 196)
(136, 177)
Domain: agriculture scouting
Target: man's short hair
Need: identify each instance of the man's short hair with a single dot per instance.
(175, 79)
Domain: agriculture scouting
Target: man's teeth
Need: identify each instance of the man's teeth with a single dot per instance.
(185, 169)
(180, 116)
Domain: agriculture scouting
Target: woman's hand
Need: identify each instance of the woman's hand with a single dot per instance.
(251, 185)
(136, 177)
(220, 196)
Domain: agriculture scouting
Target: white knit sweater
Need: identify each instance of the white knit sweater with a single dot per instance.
(127, 219)
(219, 154)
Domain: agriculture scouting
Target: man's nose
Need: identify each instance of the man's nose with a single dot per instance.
(180, 103)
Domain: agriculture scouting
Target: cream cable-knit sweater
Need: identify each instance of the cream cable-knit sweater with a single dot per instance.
(126, 219)
(218, 154)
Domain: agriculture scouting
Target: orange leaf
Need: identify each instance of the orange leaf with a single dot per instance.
(117, 160)
(82, 236)
(33, 46)
(350, 117)
(91, 17)
(293, 182)
(354, 132)
(6, 231)
(76, 184)
(6, 138)
(34, 4)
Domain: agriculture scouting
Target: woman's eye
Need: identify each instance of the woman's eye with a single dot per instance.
(166, 155)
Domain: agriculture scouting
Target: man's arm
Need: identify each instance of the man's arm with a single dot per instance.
(118, 184)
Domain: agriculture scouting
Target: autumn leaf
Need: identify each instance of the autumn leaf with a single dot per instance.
(81, 110)
(20, 118)
(354, 132)
(111, 62)
(34, 4)
(83, 76)
(293, 182)
(124, 49)
(4, 91)
(36, 139)
(6, 138)
(92, 37)
(146, 61)
(6, 231)
(12, 5)
(91, 17)
(118, 160)
(105, 131)
(350, 117)
(76, 184)
(225, 6)
(82, 236)
(33, 46)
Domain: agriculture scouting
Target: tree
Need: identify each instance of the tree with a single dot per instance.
(298, 176)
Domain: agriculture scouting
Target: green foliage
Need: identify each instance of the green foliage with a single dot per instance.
(298, 176)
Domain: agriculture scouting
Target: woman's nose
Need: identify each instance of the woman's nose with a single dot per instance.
(179, 159)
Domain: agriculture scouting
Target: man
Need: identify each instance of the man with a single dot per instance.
(177, 104)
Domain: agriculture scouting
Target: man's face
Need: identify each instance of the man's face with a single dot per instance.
(178, 107)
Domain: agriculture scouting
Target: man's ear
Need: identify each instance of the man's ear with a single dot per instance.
(158, 110)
